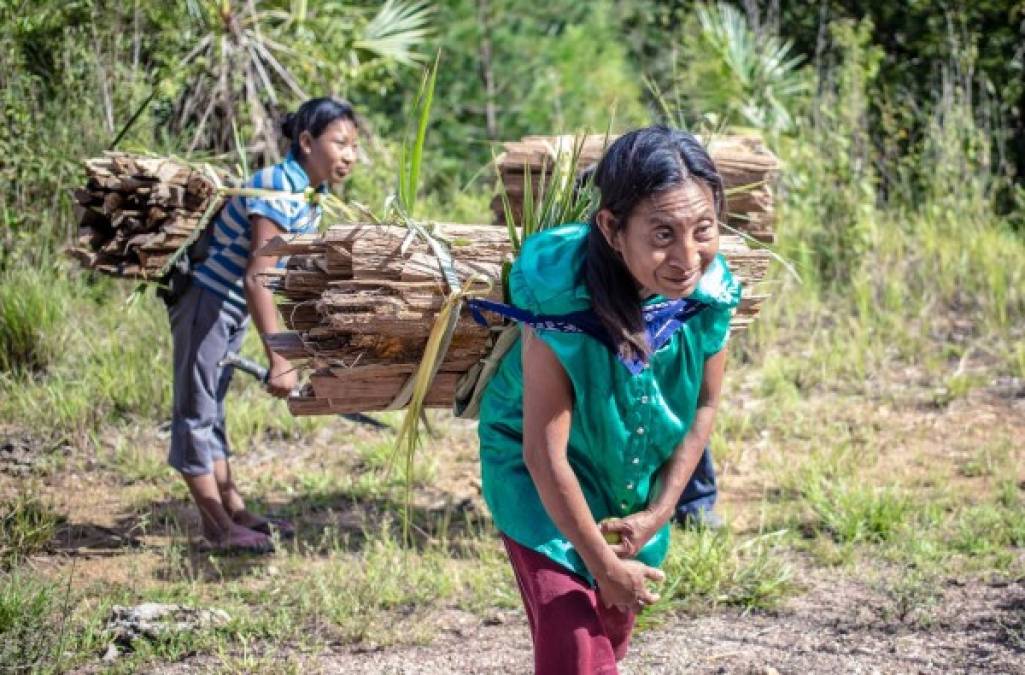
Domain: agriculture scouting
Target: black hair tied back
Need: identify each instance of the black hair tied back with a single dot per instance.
(287, 126)
(314, 116)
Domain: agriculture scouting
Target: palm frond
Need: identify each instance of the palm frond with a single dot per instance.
(560, 197)
(395, 31)
(761, 77)
(411, 152)
(240, 63)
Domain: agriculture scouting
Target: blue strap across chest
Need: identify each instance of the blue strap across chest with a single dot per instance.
(661, 319)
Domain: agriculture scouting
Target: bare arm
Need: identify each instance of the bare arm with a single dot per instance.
(547, 415)
(261, 304)
(677, 470)
(635, 530)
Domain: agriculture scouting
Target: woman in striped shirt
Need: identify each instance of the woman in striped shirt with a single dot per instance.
(211, 318)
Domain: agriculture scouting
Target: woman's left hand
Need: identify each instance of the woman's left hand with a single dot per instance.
(634, 532)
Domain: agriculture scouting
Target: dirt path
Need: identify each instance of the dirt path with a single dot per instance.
(839, 620)
(846, 628)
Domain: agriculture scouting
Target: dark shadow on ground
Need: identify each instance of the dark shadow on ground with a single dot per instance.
(326, 523)
(87, 539)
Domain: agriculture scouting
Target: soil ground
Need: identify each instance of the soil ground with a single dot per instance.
(837, 618)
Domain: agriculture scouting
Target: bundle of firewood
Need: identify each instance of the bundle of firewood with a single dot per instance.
(360, 301)
(748, 169)
(135, 212)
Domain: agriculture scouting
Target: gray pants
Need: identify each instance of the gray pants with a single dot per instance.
(204, 328)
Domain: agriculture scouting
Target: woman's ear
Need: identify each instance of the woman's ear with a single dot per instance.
(607, 224)
(306, 142)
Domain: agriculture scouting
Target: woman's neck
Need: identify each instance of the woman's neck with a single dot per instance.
(315, 180)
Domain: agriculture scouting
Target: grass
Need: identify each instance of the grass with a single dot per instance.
(27, 524)
(101, 363)
(31, 320)
(990, 460)
(852, 513)
(846, 488)
(989, 529)
(357, 598)
(379, 594)
(348, 580)
(910, 597)
(26, 609)
(113, 366)
(135, 462)
(707, 568)
(45, 624)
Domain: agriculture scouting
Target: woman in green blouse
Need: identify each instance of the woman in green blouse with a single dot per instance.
(597, 417)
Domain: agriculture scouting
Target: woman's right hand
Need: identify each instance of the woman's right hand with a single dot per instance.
(282, 378)
(624, 585)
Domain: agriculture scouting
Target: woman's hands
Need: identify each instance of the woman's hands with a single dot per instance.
(627, 536)
(282, 377)
(623, 585)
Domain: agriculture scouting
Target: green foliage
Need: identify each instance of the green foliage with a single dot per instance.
(988, 529)
(707, 567)
(748, 79)
(559, 100)
(911, 596)
(514, 68)
(26, 526)
(830, 498)
(116, 364)
(411, 152)
(394, 32)
(32, 315)
(918, 39)
(48, 60)
(233, 60)
(26, 623)
(833, 180)
(851, 512)
(102, 361)
(991, 459)
(382, 593)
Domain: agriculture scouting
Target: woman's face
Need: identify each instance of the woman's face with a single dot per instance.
(332, 155)
(669, 239)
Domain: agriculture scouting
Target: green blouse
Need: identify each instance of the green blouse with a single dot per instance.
(624, 427)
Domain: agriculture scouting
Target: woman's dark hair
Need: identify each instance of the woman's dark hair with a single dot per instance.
(639, 164)
(314, 116)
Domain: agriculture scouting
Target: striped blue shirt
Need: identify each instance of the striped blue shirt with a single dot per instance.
(225, 266)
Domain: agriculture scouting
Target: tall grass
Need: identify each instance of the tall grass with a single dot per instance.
(27, 524)
(894, 244)
(115, 360)
(32, 311)
(708, 568)
(100, 360)
(26, 630)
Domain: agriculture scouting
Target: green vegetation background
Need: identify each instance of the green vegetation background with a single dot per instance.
(900, 130)
(900, 210)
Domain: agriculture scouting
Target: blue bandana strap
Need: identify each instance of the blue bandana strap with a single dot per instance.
(575, 322)
(661, 319)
